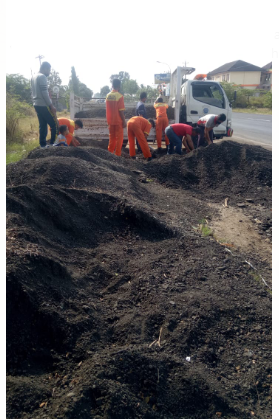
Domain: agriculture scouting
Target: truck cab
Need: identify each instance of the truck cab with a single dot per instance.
(196, 98)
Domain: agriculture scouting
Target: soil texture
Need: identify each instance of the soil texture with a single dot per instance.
(130, 111)
(139, 289)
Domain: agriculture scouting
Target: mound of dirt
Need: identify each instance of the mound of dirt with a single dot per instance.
(100, 112)
(117, 305)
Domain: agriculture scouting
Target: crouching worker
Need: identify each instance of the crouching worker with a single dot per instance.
(139, 127)
(206, 124)
(61, 140)
(177, 133)
(72, 126)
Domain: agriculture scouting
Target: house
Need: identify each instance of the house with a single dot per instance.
(238, 72)
(266, 77)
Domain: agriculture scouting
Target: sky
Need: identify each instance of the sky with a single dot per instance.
(103, 38)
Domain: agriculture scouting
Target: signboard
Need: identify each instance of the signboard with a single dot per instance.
(162, 78)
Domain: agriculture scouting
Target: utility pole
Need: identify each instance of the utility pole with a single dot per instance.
(40, 57)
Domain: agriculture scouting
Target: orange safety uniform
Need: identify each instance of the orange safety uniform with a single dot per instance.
(114, 104)
(71, 126)
(162, 122)
(137, 127)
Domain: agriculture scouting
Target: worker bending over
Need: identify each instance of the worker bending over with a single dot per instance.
(178, 134)
(139, 127)
(206, 124)
(115, 118)
(161, 121)
(72, 126)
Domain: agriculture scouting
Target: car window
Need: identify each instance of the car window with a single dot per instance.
(210, 94)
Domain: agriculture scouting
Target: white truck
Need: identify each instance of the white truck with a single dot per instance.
(193, 99)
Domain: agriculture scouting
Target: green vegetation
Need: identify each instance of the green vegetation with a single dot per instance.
(206, 231)
(129, 88)
(260, 111)
(246, 99)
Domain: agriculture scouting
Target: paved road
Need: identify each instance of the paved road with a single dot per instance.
(252, 128)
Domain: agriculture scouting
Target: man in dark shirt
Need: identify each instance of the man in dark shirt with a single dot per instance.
(141, 111)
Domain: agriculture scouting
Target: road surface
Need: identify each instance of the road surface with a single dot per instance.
(252, 128)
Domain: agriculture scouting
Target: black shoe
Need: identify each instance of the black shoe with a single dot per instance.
(149, 158)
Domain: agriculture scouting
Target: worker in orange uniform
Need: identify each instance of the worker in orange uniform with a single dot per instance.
(72, 126)
(161, 122)
(115, 118)
(139, 127)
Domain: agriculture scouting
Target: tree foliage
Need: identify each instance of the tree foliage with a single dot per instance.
(74, 82)
(129, 86)
(268, 100)
(104, 91)
(79, 89)
(122, 75)
(19, 86)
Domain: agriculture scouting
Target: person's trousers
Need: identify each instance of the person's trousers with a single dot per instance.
(46, 118)
(115, 139)
(161, 124)
(201, 138)
(138, 146)
(175, 141)
(135, 131)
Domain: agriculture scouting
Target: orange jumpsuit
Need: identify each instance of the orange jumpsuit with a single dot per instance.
(114, 104)
(137, 127)
(161, 122)
(71, 126)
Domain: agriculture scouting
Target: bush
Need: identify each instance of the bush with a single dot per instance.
(15, 110)
(268, 100)
(257, 102)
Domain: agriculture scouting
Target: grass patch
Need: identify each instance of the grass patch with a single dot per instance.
(260, 111)
(205, 230)
(29, 138)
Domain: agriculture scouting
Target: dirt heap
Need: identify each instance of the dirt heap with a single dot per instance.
(100, 112)
(117, 305)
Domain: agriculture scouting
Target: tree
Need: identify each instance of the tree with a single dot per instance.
(19, 86)
(74, 82)
(122, 75)
(85, 92)
(151, 92)
(104, 91)
(97, 95)
(129, 86)
(54, 79)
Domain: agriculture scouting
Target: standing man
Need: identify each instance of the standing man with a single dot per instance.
(115, 118)
(141, 111)
(178, 134)
(44, 108)
(72, 126)
(139, 127)
(161, 121)
(206, 124)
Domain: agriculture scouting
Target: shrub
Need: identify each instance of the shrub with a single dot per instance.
(15, 110)
(268, 100)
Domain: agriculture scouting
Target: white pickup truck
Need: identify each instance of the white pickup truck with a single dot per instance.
(193, 99)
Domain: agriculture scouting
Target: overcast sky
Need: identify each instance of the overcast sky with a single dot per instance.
(102, 38)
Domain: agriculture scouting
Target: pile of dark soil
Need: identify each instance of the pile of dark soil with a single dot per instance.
(100, 112)
(117, 305)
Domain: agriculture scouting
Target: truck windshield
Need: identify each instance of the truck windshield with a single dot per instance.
(209, 93)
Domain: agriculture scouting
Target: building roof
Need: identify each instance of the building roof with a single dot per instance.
(237, 65)
(268, 66)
